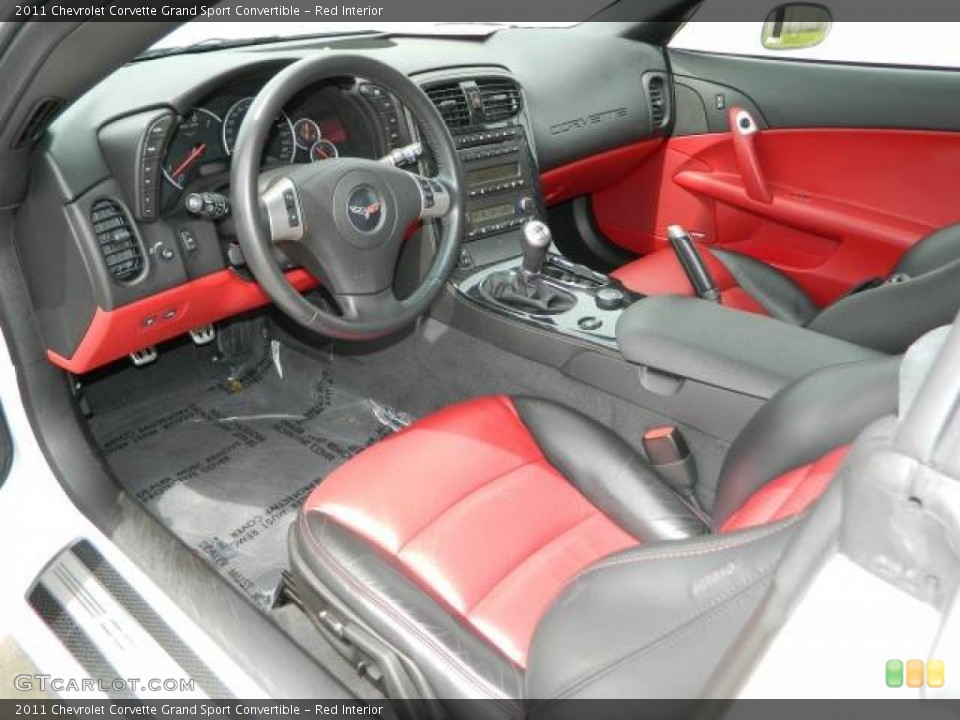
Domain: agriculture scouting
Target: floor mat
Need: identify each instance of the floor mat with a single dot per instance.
(226, 459)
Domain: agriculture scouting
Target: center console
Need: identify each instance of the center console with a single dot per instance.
(502, 267)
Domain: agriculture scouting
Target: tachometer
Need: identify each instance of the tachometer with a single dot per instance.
(281, 145)
(196, 140)
(307, 132)
(322, 150)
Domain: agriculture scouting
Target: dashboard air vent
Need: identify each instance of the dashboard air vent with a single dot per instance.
(657, 93)
(500, 98)
(118, 245)
(452, 104)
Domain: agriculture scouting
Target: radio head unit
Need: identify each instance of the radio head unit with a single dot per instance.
(501, 180)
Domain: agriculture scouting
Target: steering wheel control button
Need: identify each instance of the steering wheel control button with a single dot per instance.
(609, 298)
(365, 208)
(426, 191)
(281, 206)
(290, 203)
(434, 200)
(589, 323)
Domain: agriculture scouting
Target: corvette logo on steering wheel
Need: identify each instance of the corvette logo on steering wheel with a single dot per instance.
(364, 207)
(367, 212)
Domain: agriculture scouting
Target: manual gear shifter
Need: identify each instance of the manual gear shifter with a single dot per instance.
(535, 240)
(524, 289)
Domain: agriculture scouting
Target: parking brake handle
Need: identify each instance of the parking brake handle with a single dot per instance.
(692, 263)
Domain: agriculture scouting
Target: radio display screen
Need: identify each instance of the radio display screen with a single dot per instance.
(494, 173)
(485, 215)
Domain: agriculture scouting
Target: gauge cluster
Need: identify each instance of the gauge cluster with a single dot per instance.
(313, 128)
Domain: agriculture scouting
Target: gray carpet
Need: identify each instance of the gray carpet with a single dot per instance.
(224, 460)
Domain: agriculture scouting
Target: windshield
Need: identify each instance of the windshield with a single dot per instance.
(224, 33)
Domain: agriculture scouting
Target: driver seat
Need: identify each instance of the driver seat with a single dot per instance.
(510, 548)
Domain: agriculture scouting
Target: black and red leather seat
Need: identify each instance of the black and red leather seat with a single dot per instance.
(887, 317)
(512, 548)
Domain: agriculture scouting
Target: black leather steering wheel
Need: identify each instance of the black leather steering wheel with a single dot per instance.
(344, 219)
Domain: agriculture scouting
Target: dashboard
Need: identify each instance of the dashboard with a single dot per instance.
(114, 261)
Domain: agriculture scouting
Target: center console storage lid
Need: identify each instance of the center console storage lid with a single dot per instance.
(743, 352)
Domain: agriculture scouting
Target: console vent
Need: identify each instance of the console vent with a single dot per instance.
(37, 121)
(118, 245)
(657, 94)
(452, 104)
(500, 98)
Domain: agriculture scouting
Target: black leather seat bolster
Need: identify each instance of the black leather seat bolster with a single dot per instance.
(936, 250)
(779, 295)
(822, 411)
(368, 587)
(891, 317)
(608, 472)
(650, 622)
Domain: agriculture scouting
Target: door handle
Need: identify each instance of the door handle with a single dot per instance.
(744, 129)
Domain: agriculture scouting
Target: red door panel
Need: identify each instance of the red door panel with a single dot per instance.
(846, 203)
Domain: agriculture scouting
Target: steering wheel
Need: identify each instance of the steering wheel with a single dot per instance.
(344, 219)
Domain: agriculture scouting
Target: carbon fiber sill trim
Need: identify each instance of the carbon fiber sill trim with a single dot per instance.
(155, 625)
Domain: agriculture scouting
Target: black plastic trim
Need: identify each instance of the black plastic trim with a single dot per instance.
(822, 94)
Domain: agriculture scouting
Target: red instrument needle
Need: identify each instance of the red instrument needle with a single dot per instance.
(195, 154)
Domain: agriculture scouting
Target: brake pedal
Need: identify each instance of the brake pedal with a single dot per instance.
(203, 335)
(143, 356)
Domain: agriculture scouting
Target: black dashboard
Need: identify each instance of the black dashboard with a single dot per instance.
(110, 177)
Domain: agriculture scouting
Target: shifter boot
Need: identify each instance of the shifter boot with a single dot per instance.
(531, 295)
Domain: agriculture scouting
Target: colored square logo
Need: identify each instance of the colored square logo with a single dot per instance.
(935, 674)
(894, 673)
(914, 673)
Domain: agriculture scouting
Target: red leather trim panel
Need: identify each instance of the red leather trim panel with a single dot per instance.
(471, 509)
(660, 273)
(846, 205)
(594, 173)
(112, 334)
(788, 494)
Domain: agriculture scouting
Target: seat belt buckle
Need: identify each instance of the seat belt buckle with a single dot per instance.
(668, 453)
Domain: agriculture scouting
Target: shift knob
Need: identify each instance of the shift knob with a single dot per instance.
(535, 240)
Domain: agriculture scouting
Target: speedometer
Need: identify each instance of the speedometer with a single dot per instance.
(281, 146)
(194, 143)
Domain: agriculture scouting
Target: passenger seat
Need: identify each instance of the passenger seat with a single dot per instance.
(886, 314)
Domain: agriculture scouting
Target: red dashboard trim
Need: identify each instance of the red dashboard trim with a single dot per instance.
(113, 334)
(594, 173)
